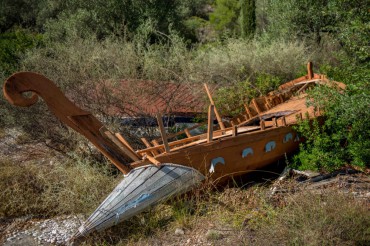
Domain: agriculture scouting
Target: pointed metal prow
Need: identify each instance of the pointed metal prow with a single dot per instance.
(142, 188)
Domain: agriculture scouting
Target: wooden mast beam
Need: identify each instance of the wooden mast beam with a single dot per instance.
(219, 119)
(310, 70)
(163, 133)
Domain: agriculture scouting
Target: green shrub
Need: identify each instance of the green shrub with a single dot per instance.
(343, 138)
(13, 45)
(230, 99)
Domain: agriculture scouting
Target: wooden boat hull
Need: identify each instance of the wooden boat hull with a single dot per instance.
(234, 156)
(142, 188)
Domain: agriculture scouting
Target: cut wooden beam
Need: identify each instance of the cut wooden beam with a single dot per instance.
(153, 160)
(124, 141)
(146, 142)
(218, 117)
(210, 123)
(256, 106)
(155, 142)
(148, 145)
(104, 131)
(262, 125)
(283, 121)
(309, 70)
(248, 111)
(235, 131)
(187, 132)
(163, 133)
(274, 122)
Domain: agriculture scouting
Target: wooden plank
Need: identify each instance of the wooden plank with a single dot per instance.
(283, 121)
(262, 125)
(235, 131)
(153, 160)
(124, 141)
(155, 143)
(163, 133)
(274, 122)
(218, 117)
(210, 123)
(146, 142)
(248, 111)
(187, 132)
(114, 139)
(148, 145)
(309, 70)
(256, 106)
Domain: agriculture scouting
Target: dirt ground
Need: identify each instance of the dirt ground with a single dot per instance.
(204, 231)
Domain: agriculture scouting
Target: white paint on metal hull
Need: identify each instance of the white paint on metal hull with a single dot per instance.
(142, 188)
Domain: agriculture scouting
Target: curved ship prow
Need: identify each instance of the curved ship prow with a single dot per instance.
(142, 188)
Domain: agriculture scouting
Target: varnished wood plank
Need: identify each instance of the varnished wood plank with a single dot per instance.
(187, 132)
(124, 141)
(114, 139)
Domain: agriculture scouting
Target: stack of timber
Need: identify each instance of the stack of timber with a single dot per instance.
(260, 136)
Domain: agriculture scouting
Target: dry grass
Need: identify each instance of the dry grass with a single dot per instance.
(36, 190)
(245, 217)
(234, 216)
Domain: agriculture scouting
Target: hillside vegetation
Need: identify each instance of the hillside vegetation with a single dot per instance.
(245, 47)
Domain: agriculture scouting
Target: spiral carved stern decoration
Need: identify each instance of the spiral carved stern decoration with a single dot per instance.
(79, 120)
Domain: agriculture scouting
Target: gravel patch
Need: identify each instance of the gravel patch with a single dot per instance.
(54, 231)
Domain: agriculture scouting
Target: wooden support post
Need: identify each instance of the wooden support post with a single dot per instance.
(187, 132)
(274, 122)
(210, 123)
(256, 106)
(283, 121)
(281, 98)
(309, 70)
(262, 125)
(163, 133)
(218, 117)
(248, 111)
(235, 131)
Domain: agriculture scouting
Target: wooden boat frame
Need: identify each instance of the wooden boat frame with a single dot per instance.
(259, 136)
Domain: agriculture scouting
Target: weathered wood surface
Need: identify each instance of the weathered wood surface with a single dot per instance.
(66, 111)
(142, 188)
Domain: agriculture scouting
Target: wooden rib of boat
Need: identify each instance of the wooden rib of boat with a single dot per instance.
(260, 136)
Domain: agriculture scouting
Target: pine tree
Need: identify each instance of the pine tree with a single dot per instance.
(247, 18)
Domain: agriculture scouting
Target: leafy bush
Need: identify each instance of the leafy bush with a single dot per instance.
(344, 137)
(12, 45)
(230, 99)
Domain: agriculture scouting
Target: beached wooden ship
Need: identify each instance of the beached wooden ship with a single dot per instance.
(260, 136)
